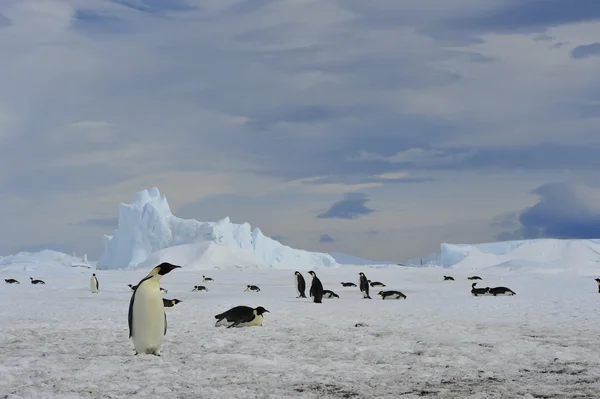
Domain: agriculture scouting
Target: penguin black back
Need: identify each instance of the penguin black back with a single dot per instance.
(316, 288)
(348, 284)
(300, 285)
(474, 278)
(11, 281)
(364, 285)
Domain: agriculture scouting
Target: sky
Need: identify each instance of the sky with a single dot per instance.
(379, 129)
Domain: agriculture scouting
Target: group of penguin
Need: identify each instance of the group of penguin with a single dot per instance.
(487, 291)
(13, 281)
(147, 319)
(317, 292)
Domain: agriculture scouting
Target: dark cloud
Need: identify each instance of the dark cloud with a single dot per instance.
(351, 207)
(565, 210)
(326, 238)
(529, 15)
(586, 51)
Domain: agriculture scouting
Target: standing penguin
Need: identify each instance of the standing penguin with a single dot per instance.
(94, 286)
(364, 285)
(316, 288)
(300, 285)
(147, 317)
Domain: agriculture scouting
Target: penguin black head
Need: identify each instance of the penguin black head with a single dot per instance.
(361, 274)
(260, 310)
(94, 274)
(175, 301)
(380, 293)
(597, 280)
(312, 273)
(163, 269)
(297, 273)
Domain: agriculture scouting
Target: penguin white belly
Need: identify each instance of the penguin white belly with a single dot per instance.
(93, 286)
(393, 296)
(148, 319)
(256, 322)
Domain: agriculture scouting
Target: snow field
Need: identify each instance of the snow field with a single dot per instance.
(61, 341)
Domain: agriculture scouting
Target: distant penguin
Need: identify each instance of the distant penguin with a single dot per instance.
(316, 288)
(474, 278)
(169, 303)
(376, 284)
(479, 291)
(241, 316)
(147, 318)
(163, 290)
(391, 295)
(36, 281)
(597, 282)
(364, 285)
(94, 286)
(348, 284)
(11, 281)
(300, 285)
(199, 288)
(204, 278)
(252, 288)
(501, 291)
(330, 294)
(448, 278)
(133, 287)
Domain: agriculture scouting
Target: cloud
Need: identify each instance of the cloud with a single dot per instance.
(252, 98)
(586, 51)
(324, 238)
(351, 207)
(564, 210)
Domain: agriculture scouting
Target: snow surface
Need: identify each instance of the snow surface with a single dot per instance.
(61, 341)
(146, 225)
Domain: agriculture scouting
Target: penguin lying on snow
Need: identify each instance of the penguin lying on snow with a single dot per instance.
(241, 316)
(348, 285)
(330, 294)
(364, 285)
(252, 288)
(391, 295)
(501, 291)
(479, 291)
(147, 318)
(474, 278)
(199, 288)
(300, 285)
(94, 286)
(11, 281)
(36, 281)
(316, 288)
(204, 278)
(448, 278)
(169, 303)
(376, 284)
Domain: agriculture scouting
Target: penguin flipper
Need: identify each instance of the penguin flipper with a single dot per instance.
(165, 324)
(130, 315)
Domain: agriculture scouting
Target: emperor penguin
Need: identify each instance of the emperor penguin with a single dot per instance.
(330, 294)
(199, 288)
(94, 286)
(348, 284)
(448, 278)
(364, 285)
(241, 316)
(598, 282)
(316, 288)
(36, 281)
(501, 291)
(300, 285)
(479, 291)
(204, 278)
(11, 281)
(376, 283)
(169, 303)
(474, 278)
(147, 317)
(391, 295)
(252, 288)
